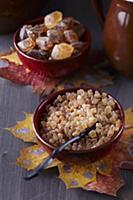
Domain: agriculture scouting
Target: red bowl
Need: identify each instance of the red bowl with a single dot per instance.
(56, 68)
(92, 154)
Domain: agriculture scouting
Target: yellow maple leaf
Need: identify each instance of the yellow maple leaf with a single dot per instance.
(104, 165)
(12, 57)
(24, 129)
(33, 156)
(73, 175)
(77, 175)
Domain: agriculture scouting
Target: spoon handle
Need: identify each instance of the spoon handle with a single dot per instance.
(39, 169)
(49, 160)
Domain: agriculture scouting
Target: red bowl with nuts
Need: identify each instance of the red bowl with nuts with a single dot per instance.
(66, 113)
(56, 51)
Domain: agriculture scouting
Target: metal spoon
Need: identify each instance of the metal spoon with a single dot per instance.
(51, 157)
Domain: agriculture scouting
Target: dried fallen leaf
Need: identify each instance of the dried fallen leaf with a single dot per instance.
(77, 175)
(129, 118)
(102, 176)
(23, 129)
(124, 148)
(20, 74)
(11, 56)
(107, 184)
(33, 156)
(44, 84)
(80, 174)
(104, 166)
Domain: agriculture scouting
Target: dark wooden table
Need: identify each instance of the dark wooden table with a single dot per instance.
(15, 99)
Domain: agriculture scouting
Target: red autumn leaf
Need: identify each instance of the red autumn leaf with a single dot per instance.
(20, 74)
(16, 72)
(107, 184)
(124, 148)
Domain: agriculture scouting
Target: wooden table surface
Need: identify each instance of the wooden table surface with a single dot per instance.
(15, 99)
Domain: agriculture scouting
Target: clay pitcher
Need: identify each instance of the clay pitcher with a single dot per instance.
(118, 33)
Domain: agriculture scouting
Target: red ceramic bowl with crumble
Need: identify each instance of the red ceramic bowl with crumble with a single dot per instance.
(91, 154)
(56, 68)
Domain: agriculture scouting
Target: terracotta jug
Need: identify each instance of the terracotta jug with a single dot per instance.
(118, 33)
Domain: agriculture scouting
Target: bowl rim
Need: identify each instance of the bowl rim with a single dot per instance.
(37, 19)
(95, 149)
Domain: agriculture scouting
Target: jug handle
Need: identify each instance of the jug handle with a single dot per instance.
(98, 8)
